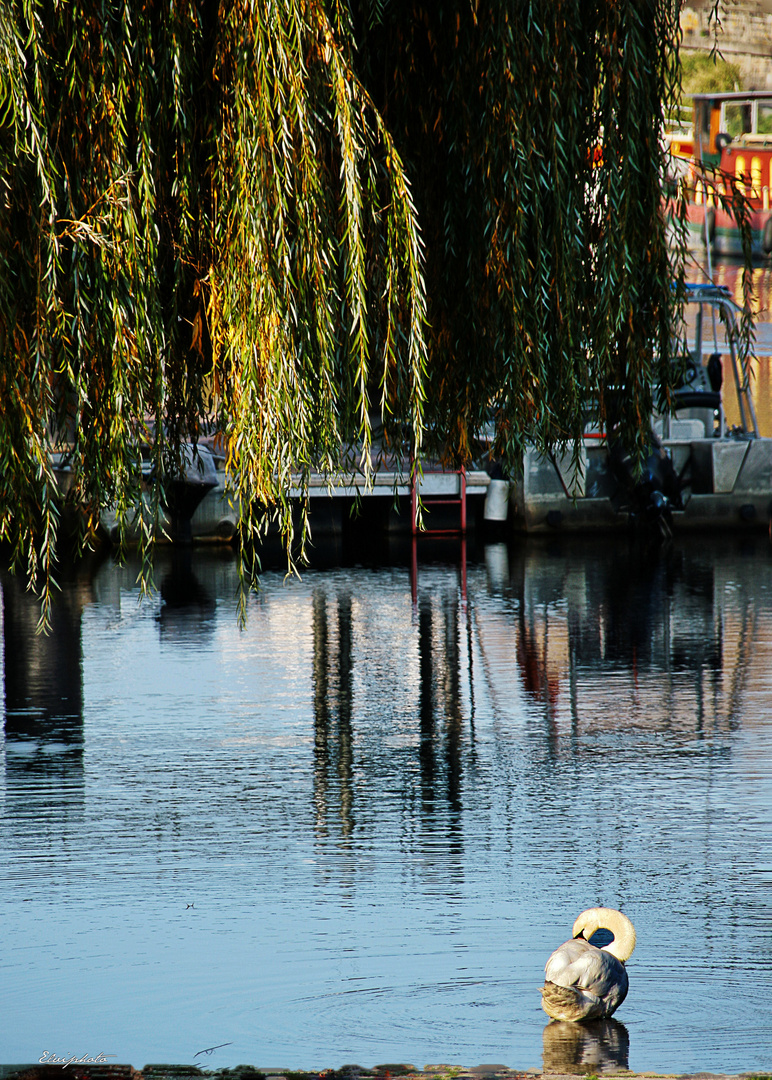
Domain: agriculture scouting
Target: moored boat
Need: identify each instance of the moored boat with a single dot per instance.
(731, 145)
(700, 474)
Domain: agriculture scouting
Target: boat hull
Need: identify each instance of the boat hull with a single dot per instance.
(724, 234)
(728, 485)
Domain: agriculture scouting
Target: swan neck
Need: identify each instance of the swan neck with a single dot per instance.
(624, 937)
(609, 919)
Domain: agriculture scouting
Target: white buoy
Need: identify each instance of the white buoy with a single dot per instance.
(497, 500)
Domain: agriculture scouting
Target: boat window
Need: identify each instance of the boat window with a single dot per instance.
(756, 177)
(739, 168)
(702, 124)
(737, 118)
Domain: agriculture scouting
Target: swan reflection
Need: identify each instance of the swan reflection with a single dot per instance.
(587, 1047)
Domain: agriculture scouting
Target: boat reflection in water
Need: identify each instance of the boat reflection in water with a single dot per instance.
(591, 1047)
(188, 603)
(623, 637)
(351, 830)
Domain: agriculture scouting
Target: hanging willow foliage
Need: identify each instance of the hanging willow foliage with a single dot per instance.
(203, 219)
(209, 220)
(534, 133)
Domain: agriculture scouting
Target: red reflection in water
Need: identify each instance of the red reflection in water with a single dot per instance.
(730, 275)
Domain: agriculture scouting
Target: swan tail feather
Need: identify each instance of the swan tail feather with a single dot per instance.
(568, 1002)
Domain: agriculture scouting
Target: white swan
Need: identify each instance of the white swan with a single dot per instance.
(584, 982)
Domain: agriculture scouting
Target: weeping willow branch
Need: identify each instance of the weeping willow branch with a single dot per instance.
(209, 222)
(204, 223)
(533, 133)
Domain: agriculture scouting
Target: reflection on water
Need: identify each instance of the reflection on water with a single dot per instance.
(354, 830)
(188, 606)
(582, 1049)
(730, 275)
(675, 631)
(333, 757)
(43, 702)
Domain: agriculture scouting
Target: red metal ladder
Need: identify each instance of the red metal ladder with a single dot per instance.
(440, 500)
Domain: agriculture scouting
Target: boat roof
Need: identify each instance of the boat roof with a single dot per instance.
(734, 95)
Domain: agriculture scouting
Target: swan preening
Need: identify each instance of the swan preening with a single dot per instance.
(584, 982)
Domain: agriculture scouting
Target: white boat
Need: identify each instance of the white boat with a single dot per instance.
(699, 475)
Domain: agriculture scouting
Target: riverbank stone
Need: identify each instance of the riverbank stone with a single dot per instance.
(345, 1072)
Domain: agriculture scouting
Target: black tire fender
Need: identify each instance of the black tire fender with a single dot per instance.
(766, 237)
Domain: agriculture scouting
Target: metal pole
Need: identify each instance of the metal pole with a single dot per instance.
(462, 487)
(705, 198)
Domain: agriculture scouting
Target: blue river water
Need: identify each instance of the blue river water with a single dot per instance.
(353, 829)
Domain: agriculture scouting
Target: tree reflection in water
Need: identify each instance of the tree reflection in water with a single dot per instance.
(438, 619)
(43, 695)
(440, 695)
(333, 695)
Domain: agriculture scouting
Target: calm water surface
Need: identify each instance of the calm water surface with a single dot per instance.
(354, 830)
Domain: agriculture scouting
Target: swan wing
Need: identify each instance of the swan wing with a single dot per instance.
(580, 965)
(569, 1002)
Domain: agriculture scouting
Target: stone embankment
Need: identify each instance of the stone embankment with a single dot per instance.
(744, 36)
(346, 1072)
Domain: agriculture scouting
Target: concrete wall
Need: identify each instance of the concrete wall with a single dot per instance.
(744, 36)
